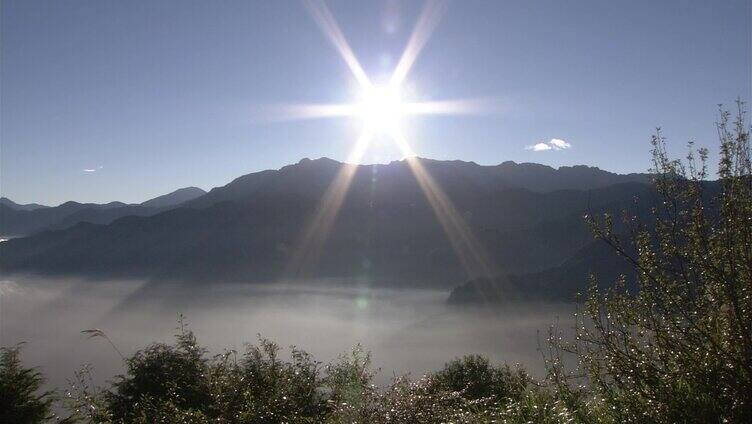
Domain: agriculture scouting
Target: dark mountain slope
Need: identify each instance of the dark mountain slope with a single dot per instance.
(98, 215)
(557, 283)
(562, 282)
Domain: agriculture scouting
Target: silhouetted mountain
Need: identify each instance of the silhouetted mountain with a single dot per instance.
(100, 215)
(15, 206)
(385, 232)
(530, 176)
(19, 222)
(175, 198)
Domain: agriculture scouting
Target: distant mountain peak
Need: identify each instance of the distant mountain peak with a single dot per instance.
(19, 207)
(69, 203)
(510, 164)
(445, 161)
(174, 198)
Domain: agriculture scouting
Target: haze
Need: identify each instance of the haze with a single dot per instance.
(407, 331)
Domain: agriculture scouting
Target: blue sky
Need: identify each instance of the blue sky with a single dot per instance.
(155, 95)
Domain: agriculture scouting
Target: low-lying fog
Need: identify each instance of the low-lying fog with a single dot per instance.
(407, 331)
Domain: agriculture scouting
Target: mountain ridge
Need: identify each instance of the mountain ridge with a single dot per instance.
(20, 207)
(386, 230)
(19, 222)
(246, 185)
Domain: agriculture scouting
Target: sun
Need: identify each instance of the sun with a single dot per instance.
(381, 108)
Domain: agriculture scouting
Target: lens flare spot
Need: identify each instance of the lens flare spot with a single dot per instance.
(361, 303)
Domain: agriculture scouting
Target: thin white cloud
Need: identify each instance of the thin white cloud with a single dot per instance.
(554, 144)
(559, 144)
(539, 147)
(90, 170)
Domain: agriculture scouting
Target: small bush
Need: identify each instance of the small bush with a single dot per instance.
(476, 378)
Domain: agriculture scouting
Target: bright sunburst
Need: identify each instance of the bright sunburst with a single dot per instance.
(382, 109)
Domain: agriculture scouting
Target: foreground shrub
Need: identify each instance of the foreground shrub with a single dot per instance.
(680, 349)
(171, 384)
(162, 376)
(20, 397)
(179, 384)
(262, 388)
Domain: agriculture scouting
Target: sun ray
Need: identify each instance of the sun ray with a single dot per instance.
(470, 252)
(427, 22)
(326, 22)
(451, 107)
(303, 111)
(307, 250)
